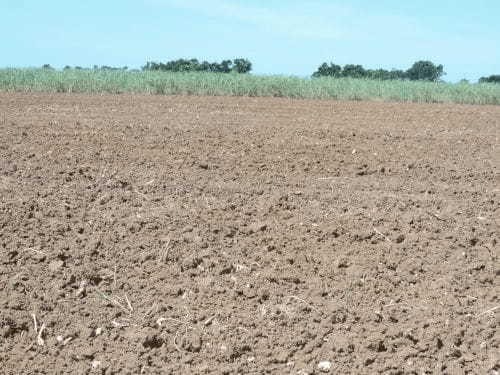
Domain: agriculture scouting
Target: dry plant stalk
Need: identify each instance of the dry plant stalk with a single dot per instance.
(163, 253)
(38, 332)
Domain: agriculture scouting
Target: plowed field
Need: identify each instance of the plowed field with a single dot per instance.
(209, 235)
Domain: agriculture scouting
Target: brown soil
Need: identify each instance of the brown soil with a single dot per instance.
(194, 235)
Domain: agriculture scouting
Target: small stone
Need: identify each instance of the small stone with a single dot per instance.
(324, 366)
(95, 364)
(56, 265)
(98, 331)
(203, 165)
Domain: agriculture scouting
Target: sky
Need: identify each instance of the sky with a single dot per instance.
(288, 37)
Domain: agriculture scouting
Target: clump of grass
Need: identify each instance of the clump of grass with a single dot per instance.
(220, 84)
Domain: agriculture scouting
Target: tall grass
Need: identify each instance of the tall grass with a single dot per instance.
(95, 81)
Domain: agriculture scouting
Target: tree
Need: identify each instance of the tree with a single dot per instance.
(326, 70)
(242, 66)
(421, 70)
(425, 71)
(47, 66)
(333, 70)
(193, 65)
(490, 79)
(353, 71)
(225, 66)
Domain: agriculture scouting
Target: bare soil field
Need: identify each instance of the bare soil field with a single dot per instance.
(210, 235)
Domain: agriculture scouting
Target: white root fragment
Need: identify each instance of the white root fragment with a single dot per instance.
(81, 289)
(40, 341)
(35, 323)
(129, 304)
(164, 252)
(38, 332)
(381, 234)
(489, 310)
(209, 320)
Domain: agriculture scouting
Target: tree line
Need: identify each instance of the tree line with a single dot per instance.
(95, 67)
(490, 79)
(193, 65)
(239, 65)
(420, 71)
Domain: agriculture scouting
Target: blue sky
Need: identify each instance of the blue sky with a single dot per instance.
(279, 36)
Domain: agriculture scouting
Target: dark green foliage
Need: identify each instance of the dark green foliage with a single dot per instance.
(242, 65)
(491, 79)
(47, 66)
(225, 66)
(421, 70)
(357, 71)
(193, 65)
(326, 70)
(111, 68)
(353, 71)
(425, 71)
(383, 75)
